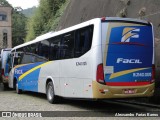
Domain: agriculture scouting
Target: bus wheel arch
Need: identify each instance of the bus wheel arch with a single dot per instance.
(15, 86)
(50, 92)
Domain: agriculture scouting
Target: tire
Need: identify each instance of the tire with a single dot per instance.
(18, 91)
(51, 94)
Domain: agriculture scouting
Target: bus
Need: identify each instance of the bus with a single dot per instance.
(99, 59)
(4, 70)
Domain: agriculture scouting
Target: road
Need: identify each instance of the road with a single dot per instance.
(28, 101)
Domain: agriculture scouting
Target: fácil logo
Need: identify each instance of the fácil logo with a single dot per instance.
(131, 61)
(128, 34)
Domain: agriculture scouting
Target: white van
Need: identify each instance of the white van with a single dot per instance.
(3, 68)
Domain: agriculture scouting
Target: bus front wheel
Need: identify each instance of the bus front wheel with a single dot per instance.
(50, 93)
(17, 89)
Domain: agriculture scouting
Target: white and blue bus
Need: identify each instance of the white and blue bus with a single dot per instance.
(98, 59)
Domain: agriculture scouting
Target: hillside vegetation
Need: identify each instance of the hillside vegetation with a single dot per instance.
(29, 12)
(46, 17)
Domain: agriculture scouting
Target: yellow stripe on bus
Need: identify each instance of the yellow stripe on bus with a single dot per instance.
(31, 70)
(17, 66)
(114, 75)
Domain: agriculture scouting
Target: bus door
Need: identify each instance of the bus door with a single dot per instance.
(11, 71)
(14, 72)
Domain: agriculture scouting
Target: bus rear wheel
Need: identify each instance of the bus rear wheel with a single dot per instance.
(50, 93)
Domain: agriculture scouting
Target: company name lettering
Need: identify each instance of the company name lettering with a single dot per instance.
(131, 61)
(18, 71)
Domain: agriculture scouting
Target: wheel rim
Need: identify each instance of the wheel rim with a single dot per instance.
(50, 92)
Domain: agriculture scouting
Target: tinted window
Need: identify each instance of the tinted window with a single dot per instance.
(34, 48)
(83, 40)
(44, 47)
(18, 57)
(27, 49)
(19, 50)
(67, 46)
(31, 58)
(32, 53)
(26, 59)
(54, 48)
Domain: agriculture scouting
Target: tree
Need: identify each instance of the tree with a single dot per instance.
(4, 3)
(43, 19)
(18, 27)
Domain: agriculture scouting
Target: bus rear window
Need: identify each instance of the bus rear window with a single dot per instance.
(83, 40)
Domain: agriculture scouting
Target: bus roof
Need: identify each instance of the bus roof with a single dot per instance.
(124, 19)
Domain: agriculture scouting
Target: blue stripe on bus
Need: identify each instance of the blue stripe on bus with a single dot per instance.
(30, 81)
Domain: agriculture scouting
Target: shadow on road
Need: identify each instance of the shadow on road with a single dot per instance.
(90, 105)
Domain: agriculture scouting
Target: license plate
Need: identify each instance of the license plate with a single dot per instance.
(129, 91)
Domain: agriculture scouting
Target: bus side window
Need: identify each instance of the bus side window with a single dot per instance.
(67, 46)
(83, 40)
(16, 61)
(44, 47)
(8, 65)
(34, 49)
(54, 48)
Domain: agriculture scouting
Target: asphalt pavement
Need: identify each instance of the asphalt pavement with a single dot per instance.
(71, 109)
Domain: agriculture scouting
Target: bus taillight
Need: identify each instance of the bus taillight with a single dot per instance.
(153, 73)
(103, 19)
(100, 74)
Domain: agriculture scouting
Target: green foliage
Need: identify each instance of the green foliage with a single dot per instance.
(4, 3)
(18, 28)
(44, 18)
(29, 12)
(58, 15)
